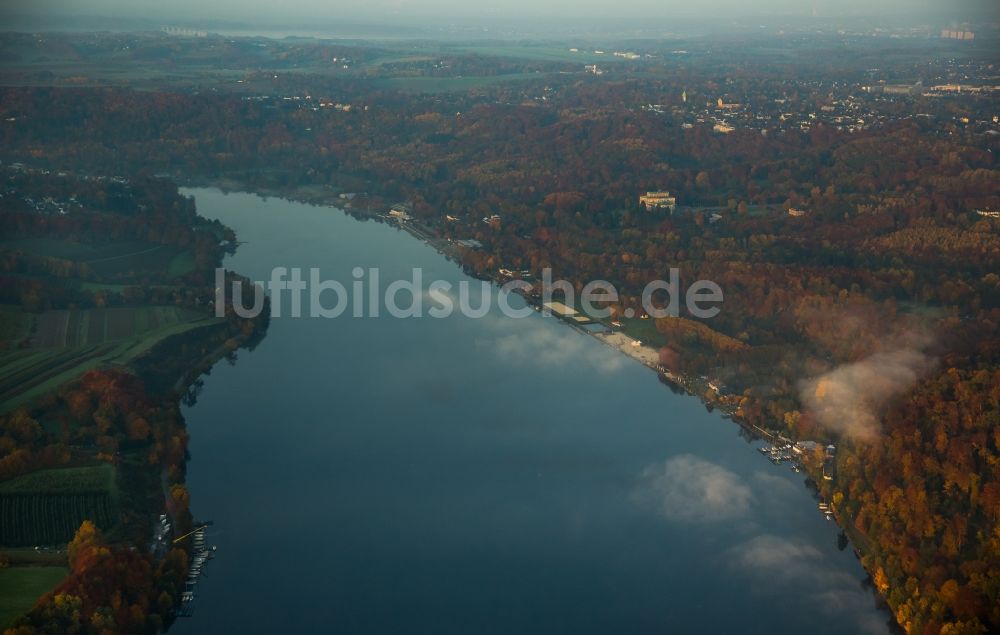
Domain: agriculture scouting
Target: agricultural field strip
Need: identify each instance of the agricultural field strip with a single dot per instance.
(113, 336)
(120, 354)
(63, 480)
(46, 368)
(47, 506)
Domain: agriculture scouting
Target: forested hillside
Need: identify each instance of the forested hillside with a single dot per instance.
(870, 320)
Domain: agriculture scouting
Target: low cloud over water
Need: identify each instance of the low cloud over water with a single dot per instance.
(686, 488)
(781, 564)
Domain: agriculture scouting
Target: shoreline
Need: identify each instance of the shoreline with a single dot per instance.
(165, 374)
(617, 340)
(614, 339)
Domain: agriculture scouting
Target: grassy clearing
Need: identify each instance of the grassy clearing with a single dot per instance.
(111, 258)
(20, 588)
(181, 264)
(644, 331)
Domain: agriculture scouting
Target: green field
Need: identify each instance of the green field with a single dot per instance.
(111, 258)
(636, 328)
(541, 53)
(20, 588)
(67, 343)
(398, 58)
(426, 84)
(644, 331)
(14, 326)
(102, 286)
(181, 264)
(538, 52)
(46, 507)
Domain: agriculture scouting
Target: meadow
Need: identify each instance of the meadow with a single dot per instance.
(20, 588)
(106, 259)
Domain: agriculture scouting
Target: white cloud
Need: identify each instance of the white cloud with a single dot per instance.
(782, 564)
(532, 344)
(773, 483)
(850, 399)
(775, 554)
(689, 489)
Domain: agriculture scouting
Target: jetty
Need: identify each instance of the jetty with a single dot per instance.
(201, 553)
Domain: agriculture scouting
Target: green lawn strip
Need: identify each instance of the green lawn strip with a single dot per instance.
(29, 557)
(132, 349)
(181, 264)
(21, 587)
(15, 362)
(644, 331)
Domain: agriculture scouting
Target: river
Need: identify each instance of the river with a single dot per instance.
(491, 475)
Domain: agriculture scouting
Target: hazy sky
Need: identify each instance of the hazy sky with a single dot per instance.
(248, 9)
(427, 12)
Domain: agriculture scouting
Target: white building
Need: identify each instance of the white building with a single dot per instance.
(658, 200)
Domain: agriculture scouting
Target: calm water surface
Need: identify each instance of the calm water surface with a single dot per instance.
(487, 475)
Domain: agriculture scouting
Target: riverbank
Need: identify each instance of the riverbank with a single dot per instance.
(107, 450)
(522, 455)
(648, 356)
(613, 336)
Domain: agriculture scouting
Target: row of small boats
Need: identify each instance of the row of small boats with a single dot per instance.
(202, 554)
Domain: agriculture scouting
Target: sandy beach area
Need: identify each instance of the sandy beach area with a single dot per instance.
(645, 354)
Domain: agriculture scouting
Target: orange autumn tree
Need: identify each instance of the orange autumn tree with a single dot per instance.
(88, 538)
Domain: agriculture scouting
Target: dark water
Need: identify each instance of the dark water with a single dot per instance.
(485, 475)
